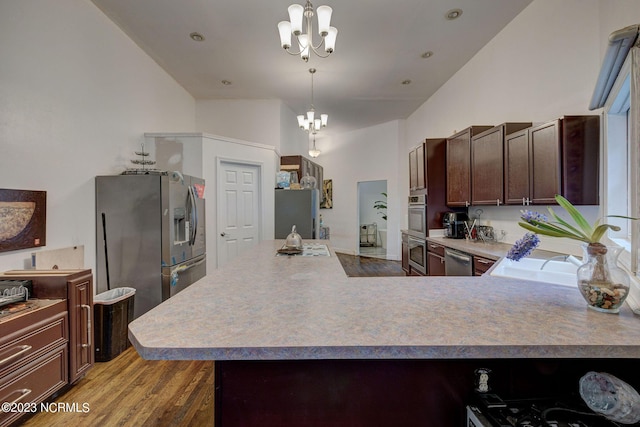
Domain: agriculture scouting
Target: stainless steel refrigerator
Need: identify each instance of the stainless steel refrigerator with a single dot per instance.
(150, 235)
(300, 208)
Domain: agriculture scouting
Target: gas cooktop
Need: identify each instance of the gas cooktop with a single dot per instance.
(567, 411)
(310, 249)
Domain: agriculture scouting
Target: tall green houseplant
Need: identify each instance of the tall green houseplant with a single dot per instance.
(381, 205)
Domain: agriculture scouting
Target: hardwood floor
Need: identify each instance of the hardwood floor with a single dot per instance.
(130, 391)
(360, 266)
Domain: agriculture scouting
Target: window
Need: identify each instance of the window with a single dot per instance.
(621, 158)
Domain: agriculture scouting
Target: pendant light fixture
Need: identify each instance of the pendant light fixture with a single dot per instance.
(313, 151)
(298, 14)
(311, 123)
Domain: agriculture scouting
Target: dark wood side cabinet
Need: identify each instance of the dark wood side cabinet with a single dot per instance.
(487, 162)
(459, 166)
(435, 259)
(76, 288)
(564, 159)
(33, 356)
(303, 166)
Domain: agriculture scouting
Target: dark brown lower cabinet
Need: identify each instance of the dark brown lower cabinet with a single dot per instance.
(76, 288)
(33, 358)
(394, 393)
(405, 253)
(435, 259)
(481, 265)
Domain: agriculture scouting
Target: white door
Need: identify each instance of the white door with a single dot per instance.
(238, 209)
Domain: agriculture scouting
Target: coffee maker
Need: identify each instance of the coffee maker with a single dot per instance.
(454, 224)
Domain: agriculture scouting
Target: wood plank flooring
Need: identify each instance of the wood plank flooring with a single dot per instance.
(130, 391)
(360, 266)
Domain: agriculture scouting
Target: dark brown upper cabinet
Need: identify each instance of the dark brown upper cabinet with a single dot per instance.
(564, 159)
(487, 164)
(516, 168)
(417, 173)
(459, 166)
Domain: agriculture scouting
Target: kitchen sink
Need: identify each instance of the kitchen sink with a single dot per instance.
(558, 272)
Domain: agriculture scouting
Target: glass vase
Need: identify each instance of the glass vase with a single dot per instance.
(611, 397)
(602, 283)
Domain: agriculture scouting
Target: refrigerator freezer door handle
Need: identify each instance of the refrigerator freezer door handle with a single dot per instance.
(194, 217)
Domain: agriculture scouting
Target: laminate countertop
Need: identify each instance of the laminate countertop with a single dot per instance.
(266, 307)
(493, 250)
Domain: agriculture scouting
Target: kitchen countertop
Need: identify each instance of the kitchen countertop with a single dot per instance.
(494, 250)
(261, 306)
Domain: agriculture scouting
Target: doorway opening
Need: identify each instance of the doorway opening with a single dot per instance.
(372, 218)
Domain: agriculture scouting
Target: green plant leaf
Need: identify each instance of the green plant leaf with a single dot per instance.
(575, 214)
(568, 232)
(601, 229)
(565, 223)
(546, 230)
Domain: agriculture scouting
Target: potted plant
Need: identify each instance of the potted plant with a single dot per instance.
(381, 205)
(603, 285)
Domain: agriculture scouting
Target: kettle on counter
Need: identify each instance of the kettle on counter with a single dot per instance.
(294, 241)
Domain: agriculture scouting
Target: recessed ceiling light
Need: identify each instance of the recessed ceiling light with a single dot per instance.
(226, 82)
(406, 82)
(453, 14)
(195, 36)
(427, 54)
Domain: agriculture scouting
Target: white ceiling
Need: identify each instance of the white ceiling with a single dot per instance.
(379, 45)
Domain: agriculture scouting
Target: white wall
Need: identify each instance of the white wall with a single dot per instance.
(248, 120)
(76, 96)
(542, 65)
(263, 121)
(369, 154)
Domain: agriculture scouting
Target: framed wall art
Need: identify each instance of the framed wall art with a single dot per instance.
(327, 194)
(23, 216)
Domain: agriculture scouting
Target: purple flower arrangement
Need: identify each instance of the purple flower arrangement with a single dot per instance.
(537, 223)
(523, 247)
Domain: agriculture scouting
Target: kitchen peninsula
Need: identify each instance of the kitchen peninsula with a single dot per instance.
(295, 339)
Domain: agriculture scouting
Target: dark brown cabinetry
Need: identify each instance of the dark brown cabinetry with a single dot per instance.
(436, 169)
(435, 259)
(427, 170)
(564, 159)
(481, 265)
(405, 253)
(487, 160)
(76, 288)
(33, 355)
(417, 174)
(516, 168)
(302, 166)
(458, 161)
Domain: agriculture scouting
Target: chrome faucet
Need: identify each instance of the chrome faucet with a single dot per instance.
(562, 257)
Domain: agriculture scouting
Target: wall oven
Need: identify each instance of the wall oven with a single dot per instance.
(418, 254)
(418, 216)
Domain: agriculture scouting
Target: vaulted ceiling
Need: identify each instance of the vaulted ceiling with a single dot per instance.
(380, 45)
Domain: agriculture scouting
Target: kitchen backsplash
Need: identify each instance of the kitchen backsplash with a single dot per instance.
(506, 218)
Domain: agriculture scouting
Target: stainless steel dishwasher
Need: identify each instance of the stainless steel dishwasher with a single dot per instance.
(457, 263)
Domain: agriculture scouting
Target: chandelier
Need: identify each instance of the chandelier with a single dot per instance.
(305, 40)
(313, 151)
(311, 123)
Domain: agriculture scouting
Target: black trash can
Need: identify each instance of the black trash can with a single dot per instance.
(112, 312)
